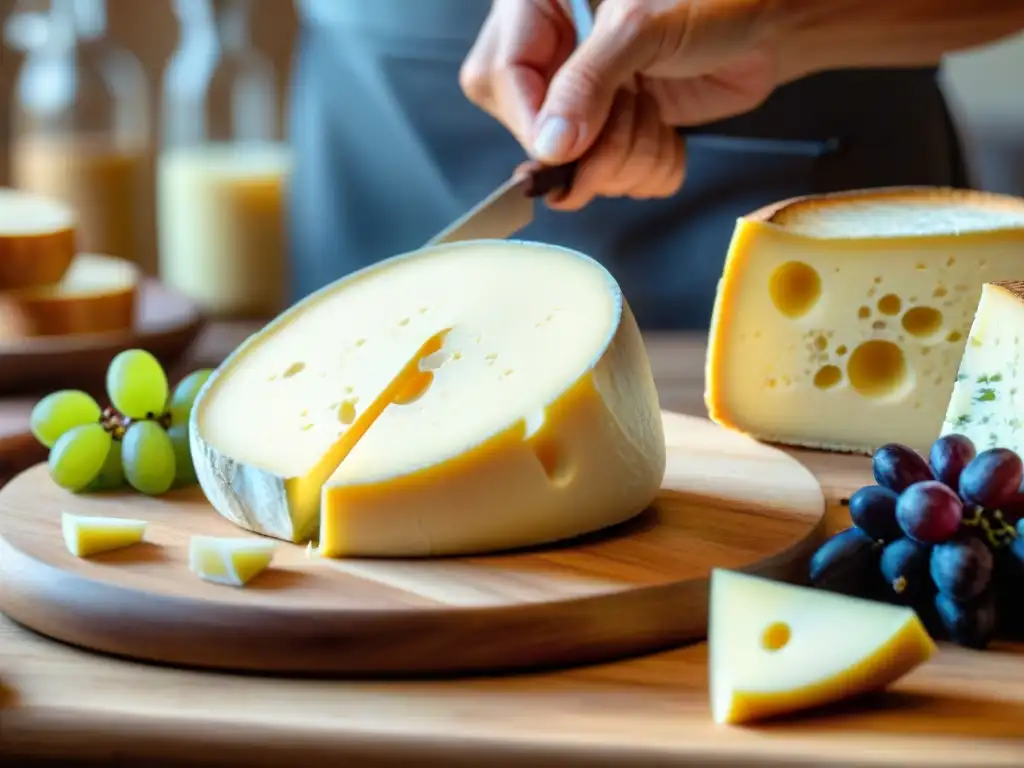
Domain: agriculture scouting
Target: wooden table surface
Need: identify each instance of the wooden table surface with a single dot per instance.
(964, 708)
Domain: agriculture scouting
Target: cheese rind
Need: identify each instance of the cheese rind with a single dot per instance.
(535, 420)
(85, 535)
(987, 404)
(840, 320)
(37, 239)
(228, 561)
(778, 648)
(96, 295)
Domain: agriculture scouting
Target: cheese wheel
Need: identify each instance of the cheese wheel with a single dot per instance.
(96, 295)
(840, 320)
(37, 239)
(466, 398)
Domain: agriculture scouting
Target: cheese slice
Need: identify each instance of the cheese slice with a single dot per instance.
(510, 403)
(231, 562)
(840, 320)
(777, 648)
(85, 536)
(987, 404)
(37, 239)
(97, 294)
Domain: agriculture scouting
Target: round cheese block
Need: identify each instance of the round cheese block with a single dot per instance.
(97, 294)
(37, 239)
(468, 398)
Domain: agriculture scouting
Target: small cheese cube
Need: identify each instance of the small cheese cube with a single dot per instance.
(232, 562)
(85, 536)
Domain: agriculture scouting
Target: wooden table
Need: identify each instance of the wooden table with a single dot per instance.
(964, 708)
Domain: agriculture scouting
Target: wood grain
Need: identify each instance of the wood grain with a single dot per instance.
(964, 708)
(166, 325)
(727, 501)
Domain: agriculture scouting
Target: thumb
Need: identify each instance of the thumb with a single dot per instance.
(580, 95)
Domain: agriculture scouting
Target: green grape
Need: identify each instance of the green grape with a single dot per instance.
(137, 384)
(58, 412)
(185, 471)
(185, 394)
(111, 474)
(78, 456)
(148, 458)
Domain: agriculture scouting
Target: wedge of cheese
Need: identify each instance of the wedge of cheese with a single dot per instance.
(987, 404)
(85, 535)
(231, 562)
(776, 648)
(466, 398)
(37, 239)
(97, 294)
(840, 320)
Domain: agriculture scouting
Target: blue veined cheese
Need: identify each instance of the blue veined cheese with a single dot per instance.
(840, 320)
(987, 404)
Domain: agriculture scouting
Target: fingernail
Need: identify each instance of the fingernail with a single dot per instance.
(555, 137)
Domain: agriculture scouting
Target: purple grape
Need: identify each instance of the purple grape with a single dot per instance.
(897, 467)
(929, 512)
(873, 510)
(992, 478)
(972, 625)
(948, 457)
(962, 569)
(904, 566)
(846, 563)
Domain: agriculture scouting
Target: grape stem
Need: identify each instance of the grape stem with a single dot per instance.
(116, 423)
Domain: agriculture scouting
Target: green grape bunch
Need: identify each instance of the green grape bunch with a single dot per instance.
(139, 440)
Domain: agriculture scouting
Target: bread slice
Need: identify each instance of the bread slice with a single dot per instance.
(37, 239)
(97, 294)
(840, 320)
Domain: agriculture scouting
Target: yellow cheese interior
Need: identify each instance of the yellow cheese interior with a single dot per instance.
(85, 536)
(843, 327)
(232, 562)
(776, 648)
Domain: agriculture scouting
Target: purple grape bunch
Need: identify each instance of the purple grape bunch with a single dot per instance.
(943, 535)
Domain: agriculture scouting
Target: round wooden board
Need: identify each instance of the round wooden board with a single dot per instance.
(727, 502)
(166, 324)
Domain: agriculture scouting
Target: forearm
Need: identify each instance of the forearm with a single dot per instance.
(814, 35)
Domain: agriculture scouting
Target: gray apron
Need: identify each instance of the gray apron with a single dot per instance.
(388, 151)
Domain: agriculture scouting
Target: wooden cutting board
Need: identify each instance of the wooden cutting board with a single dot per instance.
(727, 501)
(166, 324)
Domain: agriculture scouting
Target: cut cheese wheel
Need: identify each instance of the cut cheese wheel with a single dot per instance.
(987, 404)
(37, 239)
(85, 536)
(840, 320)
(494, 395)
(96, 295)
(776, 648)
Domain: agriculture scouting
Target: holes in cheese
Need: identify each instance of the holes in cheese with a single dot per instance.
(776, 648)
(532, 417)
(37, 240)
(899, 273)
(96, 295)
(85, 536)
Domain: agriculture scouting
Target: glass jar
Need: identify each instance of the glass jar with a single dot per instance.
(223, 167)
(80, 124)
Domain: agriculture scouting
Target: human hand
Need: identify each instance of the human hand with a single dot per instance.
(613, 102)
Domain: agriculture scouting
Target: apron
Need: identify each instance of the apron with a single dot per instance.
(388, 151)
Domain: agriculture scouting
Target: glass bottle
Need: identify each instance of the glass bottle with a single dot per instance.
(80, 124)
(223, 167)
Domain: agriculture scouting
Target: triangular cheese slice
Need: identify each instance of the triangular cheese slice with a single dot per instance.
(233, 562)
(85, 536)
(777, 648)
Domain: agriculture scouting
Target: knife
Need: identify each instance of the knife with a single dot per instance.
(511, 206)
